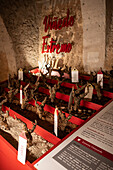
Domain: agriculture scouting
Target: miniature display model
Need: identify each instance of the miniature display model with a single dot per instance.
(98, 89)
(78, 98)
(40, 108)
(3, 121)
(64, 121)
(52, 90)
(25, 99)
(28, 131)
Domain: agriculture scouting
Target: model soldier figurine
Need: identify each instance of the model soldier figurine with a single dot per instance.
(40, 108)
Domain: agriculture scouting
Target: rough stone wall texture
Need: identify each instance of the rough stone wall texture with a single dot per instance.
(93, 13)
(7, 54)
(109, 35)
(24, 23)
(73, 34)
(21, 20)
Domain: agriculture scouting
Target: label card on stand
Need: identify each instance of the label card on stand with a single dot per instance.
(90, 94)
(22, 148)
(20, 74)
(74, 76)
(21, 94)
(100, 78)
(56, 121)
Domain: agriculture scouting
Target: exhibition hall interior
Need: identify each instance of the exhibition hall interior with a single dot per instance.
(56, 84)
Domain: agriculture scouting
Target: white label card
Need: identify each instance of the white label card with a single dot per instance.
(74, 76)
(100, 78)
(22, 148)
(56, 122)
(20, 74)
(90, 94)
(20, 96)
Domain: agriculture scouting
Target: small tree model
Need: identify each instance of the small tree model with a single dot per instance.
(40, 108)
(98, 89)
(3, 101)
(92, 77)
(76, 97)
(64, 121)
(9, 81)
(3, 121)
(28, 131)
(77, 100)
(34, 88)
(11, 93)
(52, 90)
(25, 99)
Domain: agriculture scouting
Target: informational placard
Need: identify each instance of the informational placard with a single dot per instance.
(20, 74)
(74, 76)
(89, 148)
(22, 145)
(100, 78)
(56, 121)
(90, 93)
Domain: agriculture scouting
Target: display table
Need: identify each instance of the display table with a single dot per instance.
(92, 139)
(88, 147)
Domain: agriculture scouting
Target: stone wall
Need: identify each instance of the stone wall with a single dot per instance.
(72, 34)
(109, 35)
(23, 20)
(7, 54)
(93, 13)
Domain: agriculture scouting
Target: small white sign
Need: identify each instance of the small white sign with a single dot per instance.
(74, 76)
(22, 148)
(20, 74)
(56, 121)
(20, 95)
(100, 78)
(90, 94)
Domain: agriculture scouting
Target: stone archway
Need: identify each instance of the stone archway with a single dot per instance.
(7, 55)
